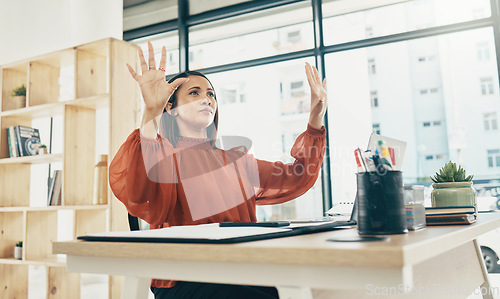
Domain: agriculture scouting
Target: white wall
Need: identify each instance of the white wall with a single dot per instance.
(30, 28)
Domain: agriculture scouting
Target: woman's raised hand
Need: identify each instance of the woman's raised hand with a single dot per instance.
(154, 88)
(318, 96)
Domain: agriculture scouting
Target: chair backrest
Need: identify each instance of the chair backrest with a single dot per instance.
(133, 222)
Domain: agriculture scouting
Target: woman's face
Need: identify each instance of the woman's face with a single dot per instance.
(196, 104)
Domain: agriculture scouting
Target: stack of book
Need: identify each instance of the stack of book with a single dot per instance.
(450, 215)
(22, 141)
(55, 187)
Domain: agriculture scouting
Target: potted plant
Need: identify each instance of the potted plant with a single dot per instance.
(19, 97)
(18, 250)
(452, 187)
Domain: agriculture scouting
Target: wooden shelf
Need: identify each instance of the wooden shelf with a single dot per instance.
(53, 208)
(38, 159)
(57, 108)
(52, 262)
(95, 104)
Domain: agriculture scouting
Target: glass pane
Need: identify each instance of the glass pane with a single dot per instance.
(408, 114)
(199, 6)
(341, 25)
(273, 31)
(171, 41)
(141, 13)
(272, 119)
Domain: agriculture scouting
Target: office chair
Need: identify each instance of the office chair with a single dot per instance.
(133, 222)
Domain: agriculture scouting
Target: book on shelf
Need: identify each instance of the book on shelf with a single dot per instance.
(22, 141)
(11, 141)
(450, 210)
(27, 138)
(450, 215)
(55, 186)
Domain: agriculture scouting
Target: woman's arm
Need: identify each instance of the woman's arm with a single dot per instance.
(318, 97)
(142, 176)
(142, 173)
(154, 88)
(281, 182)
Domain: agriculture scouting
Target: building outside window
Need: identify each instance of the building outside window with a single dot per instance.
(494, 158)
(369, 31)
(490, 121)
(376, 128)
(294, 36)
(372, 68)
(487, 86)
(374, 98)
(483, 51)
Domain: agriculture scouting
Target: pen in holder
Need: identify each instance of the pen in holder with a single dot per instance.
(380, 200)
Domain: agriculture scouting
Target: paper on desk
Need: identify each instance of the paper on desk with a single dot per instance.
(204, 231)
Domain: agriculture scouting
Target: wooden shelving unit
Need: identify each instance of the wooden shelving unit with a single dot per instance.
(72, 84)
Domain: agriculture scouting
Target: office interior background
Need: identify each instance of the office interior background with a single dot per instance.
(422, 71)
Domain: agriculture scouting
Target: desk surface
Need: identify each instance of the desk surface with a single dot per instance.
(313, 250)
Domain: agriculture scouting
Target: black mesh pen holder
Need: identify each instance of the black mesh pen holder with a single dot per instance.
(380, 200)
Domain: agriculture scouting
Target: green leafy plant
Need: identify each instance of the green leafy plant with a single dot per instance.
(20, 91)
(42, 146)
(450, 173)
(19, 244)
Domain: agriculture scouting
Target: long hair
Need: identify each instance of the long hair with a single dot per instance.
(168, 125)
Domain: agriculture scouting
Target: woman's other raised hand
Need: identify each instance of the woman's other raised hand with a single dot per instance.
(318, 96)
(154, 88)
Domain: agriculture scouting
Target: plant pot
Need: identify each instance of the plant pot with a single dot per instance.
(453, 194)
(15, 102)
(42, 151)
(18, 252)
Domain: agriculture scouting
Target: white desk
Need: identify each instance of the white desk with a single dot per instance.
(436, 262)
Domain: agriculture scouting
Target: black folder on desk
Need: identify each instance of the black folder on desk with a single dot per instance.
(213, 234)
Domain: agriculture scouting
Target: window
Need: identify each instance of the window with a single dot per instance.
(369, 31)
(232, 93)
(297, 88)
(411, 15)
(376, 128)
(371, 67)
(170, 40)
(250, 36)
(490, 121)
(487, 86)
(429, 157)
(272, 133)
(228, 96)
(494, 158)
(374, 98)
(428, 90)
(294, 36)
(483, 51)
(434, 122)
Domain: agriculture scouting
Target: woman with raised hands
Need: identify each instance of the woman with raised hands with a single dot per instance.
(170, 171)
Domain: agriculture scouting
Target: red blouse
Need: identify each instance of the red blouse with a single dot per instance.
(194, 183)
